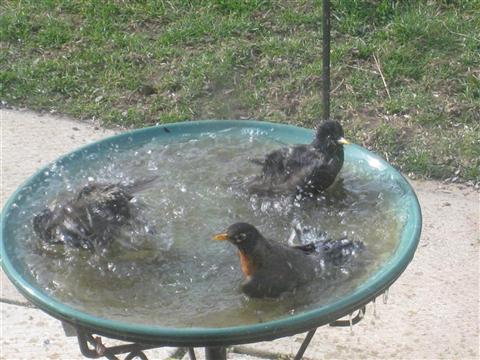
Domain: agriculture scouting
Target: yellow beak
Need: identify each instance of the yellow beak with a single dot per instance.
(221, 237)
(343, 141)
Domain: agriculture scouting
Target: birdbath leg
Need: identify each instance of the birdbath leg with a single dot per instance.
(305, 344)
(215, 353)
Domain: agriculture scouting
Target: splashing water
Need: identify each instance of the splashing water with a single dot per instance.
(385, 297)
(173, 274)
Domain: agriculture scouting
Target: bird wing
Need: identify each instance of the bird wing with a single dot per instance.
(306, 248)
(301, 155)
(342, 251)
(274, 163)
(95, 190)
(336, 252)
(301, 161)
(279, 268)
(289, 162)
(141, 184)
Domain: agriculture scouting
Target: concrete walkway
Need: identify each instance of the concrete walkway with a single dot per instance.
(432, 310)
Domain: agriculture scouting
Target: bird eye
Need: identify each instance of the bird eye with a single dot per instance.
(241, 237)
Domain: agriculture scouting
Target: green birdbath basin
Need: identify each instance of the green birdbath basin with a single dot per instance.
(170, 311)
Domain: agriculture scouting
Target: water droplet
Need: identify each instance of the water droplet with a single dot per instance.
(152, 166)
(265, 206)
(361, 314)
(385, 297)
(351, 323)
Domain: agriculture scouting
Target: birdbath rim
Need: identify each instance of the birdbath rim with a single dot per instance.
(374, 285)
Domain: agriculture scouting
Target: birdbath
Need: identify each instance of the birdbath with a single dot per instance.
(145, 336)
(84, 324)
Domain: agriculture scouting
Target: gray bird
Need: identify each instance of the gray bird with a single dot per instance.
(272, 268)
(303, 168)
(92, 218)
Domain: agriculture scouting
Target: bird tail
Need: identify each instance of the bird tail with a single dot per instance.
(141, 184)
(257, 161)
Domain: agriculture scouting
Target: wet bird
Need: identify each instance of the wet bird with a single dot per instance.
(303, 168)
(92, 218)
(272, 268)
(338, 255)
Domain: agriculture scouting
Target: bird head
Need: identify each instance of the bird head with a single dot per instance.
(242, 235)
(42, 224)
(330, 136)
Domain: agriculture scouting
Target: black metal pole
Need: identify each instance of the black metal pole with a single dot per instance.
(326, 60)
(215, 353)
(305, 344)
(191, 354)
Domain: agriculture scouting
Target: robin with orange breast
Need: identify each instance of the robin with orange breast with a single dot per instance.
(272, 268)
(303, 168)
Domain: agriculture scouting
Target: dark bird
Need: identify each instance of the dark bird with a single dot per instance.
(272, 268)
(339, 257)
(303, 168)
(92, 218)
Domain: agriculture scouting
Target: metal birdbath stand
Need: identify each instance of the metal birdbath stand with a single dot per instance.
(92, 347)
(90, 329)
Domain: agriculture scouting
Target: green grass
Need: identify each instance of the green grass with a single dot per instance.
(259, 59)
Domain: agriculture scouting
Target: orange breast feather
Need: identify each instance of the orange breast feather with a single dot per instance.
(246, 263)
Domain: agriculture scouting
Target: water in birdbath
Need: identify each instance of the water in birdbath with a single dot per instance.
(171, 273)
